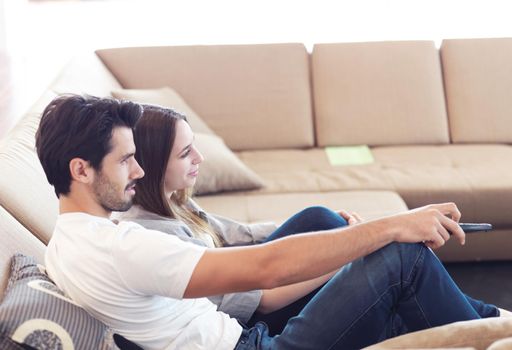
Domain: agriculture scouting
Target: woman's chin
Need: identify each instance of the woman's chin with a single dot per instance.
(190, 184)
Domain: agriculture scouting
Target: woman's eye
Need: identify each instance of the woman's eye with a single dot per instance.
(184, 155)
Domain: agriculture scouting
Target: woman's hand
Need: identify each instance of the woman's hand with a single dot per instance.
(352, 218)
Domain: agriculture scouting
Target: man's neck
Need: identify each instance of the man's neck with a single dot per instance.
(68, 204)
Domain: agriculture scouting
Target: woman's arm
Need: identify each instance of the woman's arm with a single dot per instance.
(233, 232)
(277, 298)
(238, 233)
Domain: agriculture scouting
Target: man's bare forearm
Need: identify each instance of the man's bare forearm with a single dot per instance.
(285, 261)
(311, 255)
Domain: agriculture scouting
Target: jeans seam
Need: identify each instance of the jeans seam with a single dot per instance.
(419, 260)
(420, 308)
(363, 314)
(421, 255)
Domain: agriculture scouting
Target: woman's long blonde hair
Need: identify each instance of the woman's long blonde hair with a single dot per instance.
(154, 137)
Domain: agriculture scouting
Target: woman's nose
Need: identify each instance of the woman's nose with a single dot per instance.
(198, 157)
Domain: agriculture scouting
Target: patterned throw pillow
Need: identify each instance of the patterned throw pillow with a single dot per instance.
(36, 313)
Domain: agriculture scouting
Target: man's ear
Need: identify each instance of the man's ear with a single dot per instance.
(81, 170)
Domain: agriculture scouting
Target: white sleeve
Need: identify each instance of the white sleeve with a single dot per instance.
(154, 263)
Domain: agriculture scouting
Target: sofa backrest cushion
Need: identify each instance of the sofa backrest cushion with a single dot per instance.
(378, 93)
(478, 81)
(253, 96)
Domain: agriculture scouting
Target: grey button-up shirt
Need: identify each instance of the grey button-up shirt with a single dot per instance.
(239, 305)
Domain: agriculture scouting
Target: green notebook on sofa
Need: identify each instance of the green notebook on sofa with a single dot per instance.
(349, 155)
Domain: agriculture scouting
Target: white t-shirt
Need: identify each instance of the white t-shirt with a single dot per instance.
(133, 279)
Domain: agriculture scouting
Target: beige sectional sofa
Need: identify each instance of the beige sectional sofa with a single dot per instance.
(437, 122)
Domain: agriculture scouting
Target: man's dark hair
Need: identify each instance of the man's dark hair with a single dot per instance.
(74, 126)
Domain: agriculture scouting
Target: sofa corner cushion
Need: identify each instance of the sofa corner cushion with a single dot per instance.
(221, 169)
(479, 334)
(36, 313)
(502, 344)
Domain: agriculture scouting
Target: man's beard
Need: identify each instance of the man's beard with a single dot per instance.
(108, 194)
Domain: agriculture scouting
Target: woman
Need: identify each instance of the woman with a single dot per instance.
(165, 150)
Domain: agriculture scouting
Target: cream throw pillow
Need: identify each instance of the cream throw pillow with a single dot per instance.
(221, 169)
(165, 97)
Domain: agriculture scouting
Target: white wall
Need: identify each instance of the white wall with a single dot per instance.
(67, 26)
(2, 26)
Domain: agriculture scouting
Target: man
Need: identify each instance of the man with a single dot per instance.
(150, 286)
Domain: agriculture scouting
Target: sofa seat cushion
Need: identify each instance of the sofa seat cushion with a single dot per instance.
(278, 207)
(470, 175)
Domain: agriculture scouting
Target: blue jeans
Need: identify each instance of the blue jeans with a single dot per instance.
(399, 288)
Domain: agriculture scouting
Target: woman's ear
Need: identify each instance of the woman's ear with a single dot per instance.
(81, 170)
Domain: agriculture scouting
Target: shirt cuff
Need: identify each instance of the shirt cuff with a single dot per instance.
(239, 305)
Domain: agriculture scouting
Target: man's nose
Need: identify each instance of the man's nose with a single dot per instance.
(138, 171)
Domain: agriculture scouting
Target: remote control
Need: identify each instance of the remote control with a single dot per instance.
(472, 227)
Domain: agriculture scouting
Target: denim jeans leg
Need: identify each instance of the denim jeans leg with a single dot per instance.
(484, 310)
(315, 218)
(361, 301)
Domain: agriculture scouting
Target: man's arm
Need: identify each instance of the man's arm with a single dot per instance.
(306, 256)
